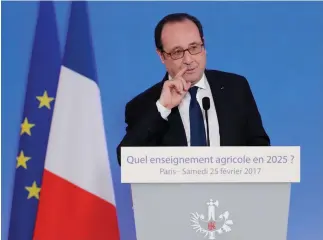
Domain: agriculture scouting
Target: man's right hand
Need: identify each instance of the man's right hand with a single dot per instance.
(174, 90)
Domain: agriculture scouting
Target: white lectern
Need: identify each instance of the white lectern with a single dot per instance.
(223, 193)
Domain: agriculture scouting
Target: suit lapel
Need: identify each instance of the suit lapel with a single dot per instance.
(177, 136)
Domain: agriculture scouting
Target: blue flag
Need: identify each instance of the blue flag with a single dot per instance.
(40, 95)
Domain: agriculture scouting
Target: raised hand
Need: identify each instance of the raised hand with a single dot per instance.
(174, 90)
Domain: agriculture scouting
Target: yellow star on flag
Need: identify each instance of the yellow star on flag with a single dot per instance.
(33, 191)
(22, 160)
(44, 100)
(26, 126)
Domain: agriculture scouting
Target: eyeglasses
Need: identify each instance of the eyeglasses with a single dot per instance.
(179, 53)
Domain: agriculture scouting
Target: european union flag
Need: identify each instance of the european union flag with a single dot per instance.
(41, 89)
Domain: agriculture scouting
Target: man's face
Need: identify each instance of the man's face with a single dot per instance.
(181, 36)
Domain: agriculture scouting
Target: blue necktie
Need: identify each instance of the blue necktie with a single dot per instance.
(198, 136)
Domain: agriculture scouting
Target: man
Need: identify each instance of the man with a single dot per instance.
(170, 113)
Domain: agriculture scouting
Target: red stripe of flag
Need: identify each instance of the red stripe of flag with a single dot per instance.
(67, 212)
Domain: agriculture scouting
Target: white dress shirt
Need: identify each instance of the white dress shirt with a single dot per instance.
(203, 91)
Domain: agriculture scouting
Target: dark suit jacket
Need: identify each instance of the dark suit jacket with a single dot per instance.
(240, 123)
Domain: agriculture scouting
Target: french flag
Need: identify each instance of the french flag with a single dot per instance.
(77, 198)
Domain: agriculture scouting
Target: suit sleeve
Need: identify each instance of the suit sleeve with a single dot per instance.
(145, 126)
(256, 134)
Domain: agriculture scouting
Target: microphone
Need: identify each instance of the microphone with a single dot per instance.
(206, 107)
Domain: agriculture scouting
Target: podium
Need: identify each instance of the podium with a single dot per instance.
(225, 193)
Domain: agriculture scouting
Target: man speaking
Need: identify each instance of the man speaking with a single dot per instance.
(191, 106)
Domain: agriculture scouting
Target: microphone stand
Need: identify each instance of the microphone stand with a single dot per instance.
(206, 107)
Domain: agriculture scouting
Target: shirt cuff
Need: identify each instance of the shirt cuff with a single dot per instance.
(164, 112)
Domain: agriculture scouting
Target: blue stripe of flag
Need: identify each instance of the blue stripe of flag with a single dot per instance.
(79, 54)
(43, 76)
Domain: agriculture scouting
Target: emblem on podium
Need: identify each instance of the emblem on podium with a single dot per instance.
(212, 225)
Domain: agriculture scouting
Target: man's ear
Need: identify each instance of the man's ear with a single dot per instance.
(161, 56)
(203, 40)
